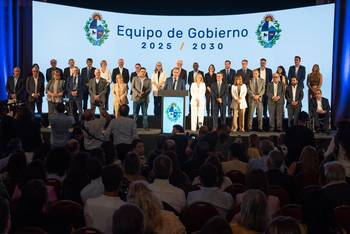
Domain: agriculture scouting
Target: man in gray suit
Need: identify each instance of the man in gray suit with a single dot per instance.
(141, 88)
(256, 90)
(97, 90)
(35, 90)
(275, 102)
(294, 96)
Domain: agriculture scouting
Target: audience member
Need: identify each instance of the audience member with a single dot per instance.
(216, 225)
(128, 219)
(266, 146)
(60, 124)
(253, 151)
(236, 152)
(95, 188)
(283, 225)
(5, 216)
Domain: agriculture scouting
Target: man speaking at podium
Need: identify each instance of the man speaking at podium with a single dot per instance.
(174, 82)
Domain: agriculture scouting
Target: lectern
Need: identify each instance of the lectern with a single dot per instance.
(173, 109)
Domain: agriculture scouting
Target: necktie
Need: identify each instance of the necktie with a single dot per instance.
(256, 87)
(219, 87)
(15, 83)
(174, 84)
(75, 83)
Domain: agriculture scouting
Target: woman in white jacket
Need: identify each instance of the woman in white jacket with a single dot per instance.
(197, 102)
(239, 103)
(158, 80)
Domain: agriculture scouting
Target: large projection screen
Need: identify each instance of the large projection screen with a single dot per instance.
(60, 32)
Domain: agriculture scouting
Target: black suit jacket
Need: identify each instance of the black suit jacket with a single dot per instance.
(66, 73)
(246, 76)
(268, 74)
(86, 77)
(223, 92)
(183, 74)
(19, 90)
(299, 95)
(49, 73)
(125, 74)
(208, 80)
(190, 79)
(230, 77)
(30, 87)
(300, 76)
(325, 105)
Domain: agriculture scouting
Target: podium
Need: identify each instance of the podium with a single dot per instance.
(173, 109)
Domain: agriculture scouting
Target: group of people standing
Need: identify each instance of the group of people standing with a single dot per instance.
(218, 93)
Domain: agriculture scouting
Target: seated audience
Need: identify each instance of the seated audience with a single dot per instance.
(209, 191)
(216, 225)
(283, 224)
(256, 179)
(164, 191)
(155, 220)
(342, 140)
(223, 181)
(95, 188)
(234, 163)
(266, 146)
(99, 211)
(128, 219)
(253, 217)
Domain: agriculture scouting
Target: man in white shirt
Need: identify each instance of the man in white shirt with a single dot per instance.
(210, 192)
(95, 188)
(99, 211)
(320, 112)
(175, 197)
(275, 102)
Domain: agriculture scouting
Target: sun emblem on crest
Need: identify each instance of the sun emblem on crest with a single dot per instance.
(268, 31)
(96, 29)
(173, 112)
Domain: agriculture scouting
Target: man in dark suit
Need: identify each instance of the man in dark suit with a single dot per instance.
(275, 176)
(87, 73)
(320, 111)
(275, 102)
(265, 74)
(97, 90)
(35, 90)
(245, 72)
(182, 72)
(192, 74)
(219, 99)
(297, 71)
(297, 137)
(175, 82)
(294, 96)
(229, 78)
(15, 86)
(68, 71)
(121, 70)
(74, 89)
(52, 69)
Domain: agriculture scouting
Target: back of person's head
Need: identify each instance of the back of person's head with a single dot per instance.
(215, 161)
(309, 160)
(73, 146)
(128, 219)
(334, 172)
(124, 110)
(201, 152)
(236, 150)
(276, 159)
(34, 197)
(17, 165)
(141, 195)
(203, 130)
(57, 161)
(208, 175)
(60, 107)
(135, 142)
(35, 170)
(170, 145)
(303, 117)
(24, 114)
(283, 225)
(266, 146)
(4, 215)
(162, 167)
(178, 128)
(216, 225)
(112, 176)
(93, 168)
(253, 140)
(161, 141)
(131, 164)
(87, 115)
(254, 211)
(14, 145)
(256, 179)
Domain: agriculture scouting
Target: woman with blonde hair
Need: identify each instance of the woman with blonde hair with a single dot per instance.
(197, 102)
(156, 221)
(120, 92)
(239, 103)
(106, 74)
(314, 81)
(158, 80)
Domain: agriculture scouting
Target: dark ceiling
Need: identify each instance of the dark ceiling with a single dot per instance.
(189, 7)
